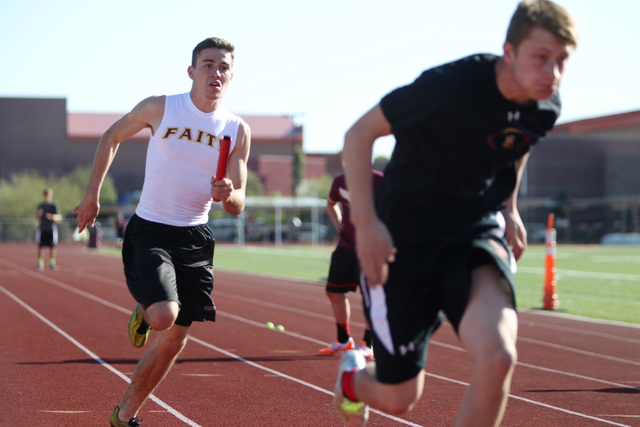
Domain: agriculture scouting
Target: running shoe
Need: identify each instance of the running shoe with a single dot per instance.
(53, 267)
(39, 268)
(115, 422)
(355, 414)
(338, 346)
(366, 351)
(138, 328)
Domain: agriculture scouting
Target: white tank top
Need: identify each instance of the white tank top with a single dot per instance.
(181, 159)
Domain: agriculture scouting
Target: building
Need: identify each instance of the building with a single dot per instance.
(38, 134)
(587, 173)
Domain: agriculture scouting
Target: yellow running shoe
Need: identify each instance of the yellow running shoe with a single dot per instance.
(355, 414)
(138, 328)
(115, 422)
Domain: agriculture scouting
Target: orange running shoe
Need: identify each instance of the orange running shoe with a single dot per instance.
(338, 346)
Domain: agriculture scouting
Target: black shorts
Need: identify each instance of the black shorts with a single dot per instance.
(344, 271)
(47, 238)
(425, 282)
(167, 263)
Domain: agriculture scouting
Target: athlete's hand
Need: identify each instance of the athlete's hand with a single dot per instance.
(87, 212)
(515, 232)
(375, 250)
(221, 189)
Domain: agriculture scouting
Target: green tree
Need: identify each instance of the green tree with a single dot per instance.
(316, 187)
(254, 184)
(20, 195)
(298, 169)
(379, 163)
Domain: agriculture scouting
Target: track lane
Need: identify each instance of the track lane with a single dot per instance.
(245, 341)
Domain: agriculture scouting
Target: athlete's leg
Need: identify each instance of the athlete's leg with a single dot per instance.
(394, 399)
(152, 368)
(341, 307)
(488, 331)
(52, 254)
(161, 315)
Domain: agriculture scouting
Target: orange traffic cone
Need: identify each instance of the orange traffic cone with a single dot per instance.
(550, 300)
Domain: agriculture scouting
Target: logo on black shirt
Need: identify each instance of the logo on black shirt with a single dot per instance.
(508, 139)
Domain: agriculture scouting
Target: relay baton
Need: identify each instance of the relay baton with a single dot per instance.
(223, 159)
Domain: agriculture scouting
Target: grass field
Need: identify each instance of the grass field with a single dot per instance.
(595, 281)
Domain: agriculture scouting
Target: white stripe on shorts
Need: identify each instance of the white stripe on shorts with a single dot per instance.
(376, 302)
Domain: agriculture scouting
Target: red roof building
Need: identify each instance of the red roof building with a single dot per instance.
(38, 134)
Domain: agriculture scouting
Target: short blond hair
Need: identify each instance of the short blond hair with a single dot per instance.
(543, 14)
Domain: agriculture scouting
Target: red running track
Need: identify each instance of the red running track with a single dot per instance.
(65, 357)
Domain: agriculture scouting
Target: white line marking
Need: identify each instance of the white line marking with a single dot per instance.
(577, 331)
(584, 274)
(541, 368)
(296, 380)
(152, 397)
(575, 350)
(310, 339)
(524, 399)
(94, 356)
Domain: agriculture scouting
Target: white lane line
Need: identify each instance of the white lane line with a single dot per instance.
(574, 350)
(329, 318)
(273, 305)
(542, 368)
(531, 323)
(95, 357)
(436, 376)
(583, 274)
(155, 399)
(524, 399)
(294, 379)
(562, 315)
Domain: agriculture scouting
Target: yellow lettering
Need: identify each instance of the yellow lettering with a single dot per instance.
(211, 141)
(199, 138)
(169, 132)
(186, 134)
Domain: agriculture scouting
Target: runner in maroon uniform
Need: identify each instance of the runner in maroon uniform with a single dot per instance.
(344, 272)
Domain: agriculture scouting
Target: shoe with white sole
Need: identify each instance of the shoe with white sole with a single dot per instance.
(366, 351)
(355, 414)
(336, 346)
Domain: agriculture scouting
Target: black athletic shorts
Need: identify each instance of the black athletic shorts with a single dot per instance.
(167, 263)
(424, 283)
(47, 238)
(344, 271)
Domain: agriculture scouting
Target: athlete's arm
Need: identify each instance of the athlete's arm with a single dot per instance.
(374, 244)
(232, 189)
(515, 231)
(333, 210)
(147, 113)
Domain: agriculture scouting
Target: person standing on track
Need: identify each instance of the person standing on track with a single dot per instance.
(344, 271)
(435, 239)
(49, 216)
(168, 246)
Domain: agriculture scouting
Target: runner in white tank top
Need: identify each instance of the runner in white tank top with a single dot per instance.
(168, 248)
(181, 159)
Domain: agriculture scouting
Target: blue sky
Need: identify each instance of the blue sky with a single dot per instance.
(324, 63)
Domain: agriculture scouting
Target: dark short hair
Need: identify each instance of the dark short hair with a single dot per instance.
(214, 42)
(543, 14)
